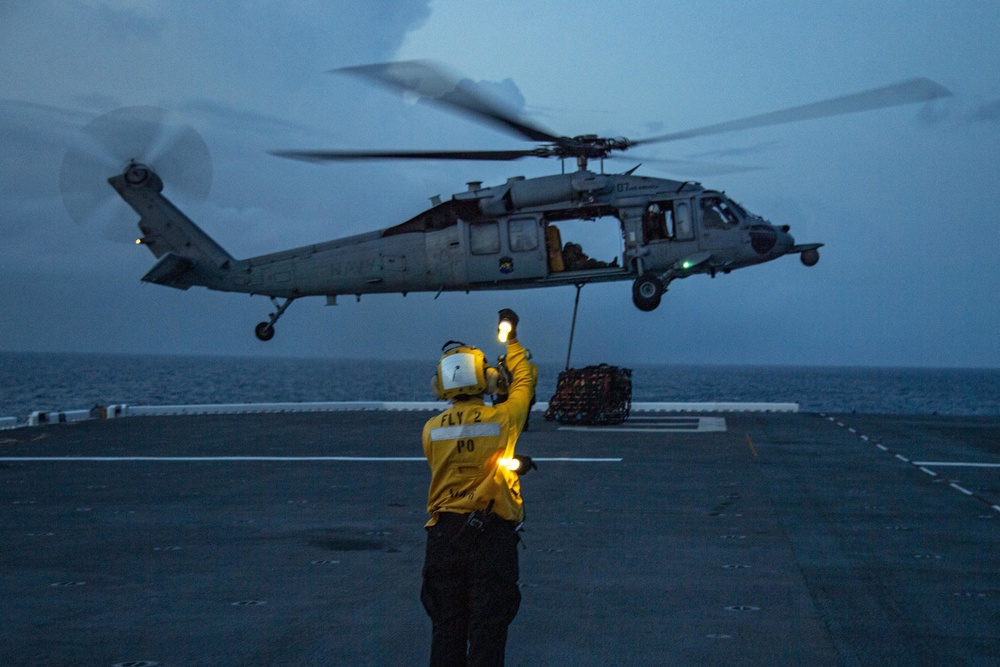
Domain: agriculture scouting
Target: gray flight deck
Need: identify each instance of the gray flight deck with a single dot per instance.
(297, 539)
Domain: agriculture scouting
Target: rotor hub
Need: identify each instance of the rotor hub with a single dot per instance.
(137, 173)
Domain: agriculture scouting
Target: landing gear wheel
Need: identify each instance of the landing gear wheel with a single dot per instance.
(647, 292)
(264, 331)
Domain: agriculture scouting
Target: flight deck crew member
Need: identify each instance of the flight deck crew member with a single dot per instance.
(470, 571)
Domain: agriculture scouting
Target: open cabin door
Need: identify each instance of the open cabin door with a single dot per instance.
(505, 249)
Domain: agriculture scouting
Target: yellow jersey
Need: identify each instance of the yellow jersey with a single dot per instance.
(464, 445)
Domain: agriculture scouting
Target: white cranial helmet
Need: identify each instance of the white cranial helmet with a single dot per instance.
(463, 370)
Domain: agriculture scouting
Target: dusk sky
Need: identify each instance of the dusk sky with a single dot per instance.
(903, 198)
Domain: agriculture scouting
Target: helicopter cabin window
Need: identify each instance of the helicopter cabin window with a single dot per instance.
(658, 222)
(667, 221)
(484, 238)
(716, 214)
(682, 221)
(654, 223)
(522, 234)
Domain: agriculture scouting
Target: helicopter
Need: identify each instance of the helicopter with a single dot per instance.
(496, 237)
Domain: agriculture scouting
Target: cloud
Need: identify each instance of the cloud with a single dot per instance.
(238, 118)
(34, 138)
(143, 19)
(251, 77)
(737, 151)
(955, 113)
(987, 113)
(505, 91)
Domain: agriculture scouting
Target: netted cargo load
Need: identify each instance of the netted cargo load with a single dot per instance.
(592, 395)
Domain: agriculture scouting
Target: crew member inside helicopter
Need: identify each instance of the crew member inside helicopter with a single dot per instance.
(715, 214)
(658, 222)
(575, 259)
(570, 257)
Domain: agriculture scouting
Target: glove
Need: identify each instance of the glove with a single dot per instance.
(509, 316)
(526, 464)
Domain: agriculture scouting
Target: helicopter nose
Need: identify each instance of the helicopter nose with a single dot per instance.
(763, 238)
(770, 240)
(784, 242)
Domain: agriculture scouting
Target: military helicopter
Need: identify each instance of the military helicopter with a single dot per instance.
(487, 237)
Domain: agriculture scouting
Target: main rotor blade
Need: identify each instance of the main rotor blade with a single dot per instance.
(335, 156)
(904, 92)
(688, 167)
(432, 82)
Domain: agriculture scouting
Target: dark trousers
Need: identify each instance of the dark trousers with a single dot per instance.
(470, 591)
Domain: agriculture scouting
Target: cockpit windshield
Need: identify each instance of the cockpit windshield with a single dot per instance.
(740, 211)
(719, 212)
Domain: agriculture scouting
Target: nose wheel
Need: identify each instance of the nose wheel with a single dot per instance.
(265, 330)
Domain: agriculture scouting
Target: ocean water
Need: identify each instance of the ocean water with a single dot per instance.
(30, 382)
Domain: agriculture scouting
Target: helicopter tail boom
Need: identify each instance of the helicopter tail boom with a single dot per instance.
(188, 256)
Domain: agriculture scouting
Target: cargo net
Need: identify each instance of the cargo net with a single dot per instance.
(592, 395)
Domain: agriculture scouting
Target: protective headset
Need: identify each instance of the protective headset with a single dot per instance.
(462, 369)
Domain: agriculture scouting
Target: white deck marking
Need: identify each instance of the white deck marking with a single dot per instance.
(956, 464)
(924, 466)
(577, 460)
(660, 425)
(211, 459)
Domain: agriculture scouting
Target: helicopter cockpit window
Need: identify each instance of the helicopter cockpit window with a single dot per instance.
(717, 214)
(523, 234)
(484, 238)
(740, 211)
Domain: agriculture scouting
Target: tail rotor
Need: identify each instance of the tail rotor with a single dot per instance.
(112, 143)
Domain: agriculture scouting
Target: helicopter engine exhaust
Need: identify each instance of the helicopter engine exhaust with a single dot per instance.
(519, 193)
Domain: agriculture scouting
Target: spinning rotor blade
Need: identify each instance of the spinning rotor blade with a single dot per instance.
(688, 167)
(434, 83)
(904, 92)
(106, 146)
(334, 156)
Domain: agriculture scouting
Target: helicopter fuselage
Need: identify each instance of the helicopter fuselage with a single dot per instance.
(507, 236)
(485, 238)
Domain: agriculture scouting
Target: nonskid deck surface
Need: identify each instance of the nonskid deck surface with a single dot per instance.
(297, 539)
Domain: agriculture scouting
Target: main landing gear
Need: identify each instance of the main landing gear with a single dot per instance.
(265, 330)
(647, 290)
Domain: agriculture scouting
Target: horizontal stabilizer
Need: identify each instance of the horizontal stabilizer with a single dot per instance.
(169, 271)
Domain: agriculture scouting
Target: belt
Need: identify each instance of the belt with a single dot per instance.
(461, 518)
